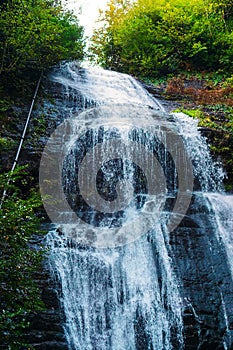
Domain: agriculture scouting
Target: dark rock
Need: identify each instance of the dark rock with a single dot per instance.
(46, 327)
(50, 345)
(201, 263)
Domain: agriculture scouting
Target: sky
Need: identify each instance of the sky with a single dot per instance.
(87, 11)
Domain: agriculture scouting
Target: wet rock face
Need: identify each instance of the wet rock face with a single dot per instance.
(201, 263)
(46, 327)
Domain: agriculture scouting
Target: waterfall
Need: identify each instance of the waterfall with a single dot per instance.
(116, 299)
(122, 174)
(222, 207)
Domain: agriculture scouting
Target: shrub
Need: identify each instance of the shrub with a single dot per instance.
(151, 38)
(18, 261)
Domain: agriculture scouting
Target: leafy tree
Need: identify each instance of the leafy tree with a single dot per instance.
(104, 49)
(37, 34)
(160, 37)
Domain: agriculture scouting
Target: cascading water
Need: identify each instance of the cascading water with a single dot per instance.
(222, 207)
(111, 252)
(115, 299)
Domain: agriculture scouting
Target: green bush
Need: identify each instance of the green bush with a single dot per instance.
(18, 261)
(154, 38)
(37, 34)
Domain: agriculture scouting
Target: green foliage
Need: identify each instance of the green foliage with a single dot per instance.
(5, 143)
(153, 38)
(18, 261)
(37, 34)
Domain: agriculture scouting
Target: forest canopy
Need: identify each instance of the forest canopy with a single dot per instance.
(37, 34)
(154, 38)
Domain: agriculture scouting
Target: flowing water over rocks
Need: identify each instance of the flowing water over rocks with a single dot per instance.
(143, 258)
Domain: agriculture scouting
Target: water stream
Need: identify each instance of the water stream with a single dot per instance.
(111, 252)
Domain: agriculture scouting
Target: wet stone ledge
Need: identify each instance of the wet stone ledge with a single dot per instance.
(46, 327)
